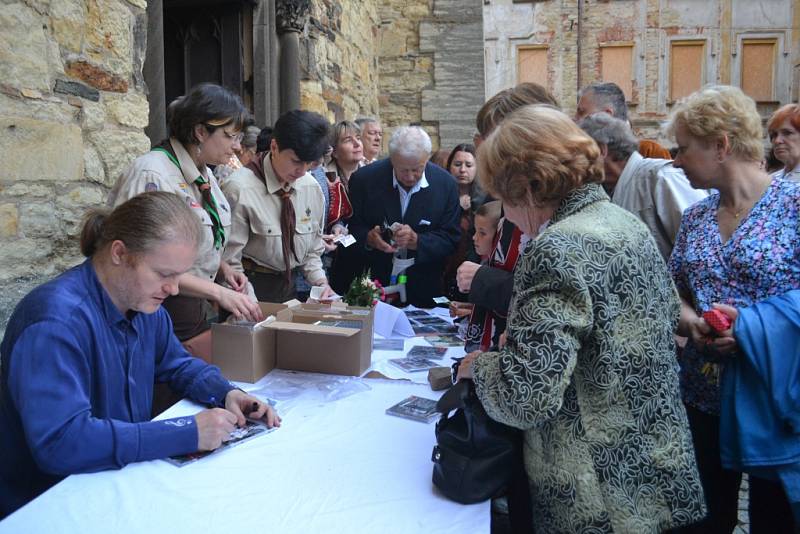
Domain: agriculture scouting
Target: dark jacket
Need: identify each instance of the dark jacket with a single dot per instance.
(432, 213)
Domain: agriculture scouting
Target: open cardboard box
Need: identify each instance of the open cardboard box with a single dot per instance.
(293, 341)
(305, 346)
(244, 353)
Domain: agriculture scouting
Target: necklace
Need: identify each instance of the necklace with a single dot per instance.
(733, 211)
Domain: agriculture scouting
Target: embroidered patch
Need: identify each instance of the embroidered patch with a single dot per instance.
(179, 422)
(151, 186)
(308, 212)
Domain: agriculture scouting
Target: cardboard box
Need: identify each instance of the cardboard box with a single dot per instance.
(305, 346)
(243, 353)
(293, 341)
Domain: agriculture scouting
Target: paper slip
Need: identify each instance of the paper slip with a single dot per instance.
(391, 321)
(441, 300)
(344, 239)
(316, 293)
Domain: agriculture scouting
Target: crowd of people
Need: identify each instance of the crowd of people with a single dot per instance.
(579, 259)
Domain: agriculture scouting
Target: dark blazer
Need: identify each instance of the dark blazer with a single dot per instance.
(376, 201)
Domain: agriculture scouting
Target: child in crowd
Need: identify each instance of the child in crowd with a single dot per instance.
(484, 326)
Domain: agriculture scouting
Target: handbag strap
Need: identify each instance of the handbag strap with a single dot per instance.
(455, 397)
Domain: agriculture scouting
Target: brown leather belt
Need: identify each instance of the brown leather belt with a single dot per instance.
(250, 265)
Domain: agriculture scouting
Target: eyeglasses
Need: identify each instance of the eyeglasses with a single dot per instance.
(236, 137)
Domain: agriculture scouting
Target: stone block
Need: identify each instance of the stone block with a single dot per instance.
(141, 4)
(67, 19)
(36, 150)
(28, 190)
(93, 117)
(19, 256)
(39, 220)
(77, 89)
(118, 148)
(9, 220)
(109, 38)
(93, 166)
(72, 205)
(130, 109)
(24, 50)
(97, 76)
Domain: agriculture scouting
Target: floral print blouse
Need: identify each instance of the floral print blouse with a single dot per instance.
(759, 260)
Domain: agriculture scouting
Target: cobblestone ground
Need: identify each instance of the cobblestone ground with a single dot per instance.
(744, 521)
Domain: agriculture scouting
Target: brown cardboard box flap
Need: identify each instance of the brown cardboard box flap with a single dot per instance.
(314, 328)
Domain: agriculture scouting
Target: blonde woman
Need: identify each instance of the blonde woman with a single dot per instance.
(737, 247)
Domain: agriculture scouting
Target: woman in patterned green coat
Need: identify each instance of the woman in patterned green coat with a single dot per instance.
(589, 369)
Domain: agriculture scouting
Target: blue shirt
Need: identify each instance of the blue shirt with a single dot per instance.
(77, 387)
(405, 196)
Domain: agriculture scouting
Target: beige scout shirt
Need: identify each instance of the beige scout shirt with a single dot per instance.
(256, 229)
(154, 171)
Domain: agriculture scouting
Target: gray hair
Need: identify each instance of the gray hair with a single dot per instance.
(614, 133)
(361, 121)
(410, 141)
(250, 137)
(608, 94)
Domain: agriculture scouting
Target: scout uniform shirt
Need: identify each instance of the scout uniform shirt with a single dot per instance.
(155, 171)
(256, 221)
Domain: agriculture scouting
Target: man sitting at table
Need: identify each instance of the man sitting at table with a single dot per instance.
(81, 354)
(420, 200)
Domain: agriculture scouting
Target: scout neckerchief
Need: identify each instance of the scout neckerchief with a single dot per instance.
(288, 220)
(481, 329)
(209, 203)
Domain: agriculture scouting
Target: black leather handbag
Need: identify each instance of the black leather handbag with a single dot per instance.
(475, 457)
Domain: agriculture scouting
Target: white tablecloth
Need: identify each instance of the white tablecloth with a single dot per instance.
(336, 465)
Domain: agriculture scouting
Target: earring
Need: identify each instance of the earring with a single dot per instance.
(199, 149)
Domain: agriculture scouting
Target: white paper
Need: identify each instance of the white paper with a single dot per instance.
(391, 321)
(316, 293)
(347, 240)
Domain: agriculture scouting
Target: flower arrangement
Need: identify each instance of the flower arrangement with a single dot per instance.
(364, 291)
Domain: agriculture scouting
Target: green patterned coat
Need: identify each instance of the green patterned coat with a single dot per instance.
(589, 373)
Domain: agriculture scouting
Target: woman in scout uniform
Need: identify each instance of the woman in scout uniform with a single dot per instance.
(205, 129)
(278, 210)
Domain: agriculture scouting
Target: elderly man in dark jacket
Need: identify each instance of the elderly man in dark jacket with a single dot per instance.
(422, 199)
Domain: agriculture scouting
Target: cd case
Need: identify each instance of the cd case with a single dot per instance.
(416, 408)
(413, 364)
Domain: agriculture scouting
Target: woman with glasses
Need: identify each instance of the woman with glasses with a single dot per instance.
(205, 128)
(247, 151)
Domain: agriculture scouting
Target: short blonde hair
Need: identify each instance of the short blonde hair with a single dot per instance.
(720, 111)
(538, 153)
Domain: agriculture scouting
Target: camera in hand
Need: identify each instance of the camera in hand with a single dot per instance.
(387, 234)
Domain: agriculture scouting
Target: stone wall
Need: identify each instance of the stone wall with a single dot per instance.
(405, 71)
(72, 111)
(339, 59)
(455, 38)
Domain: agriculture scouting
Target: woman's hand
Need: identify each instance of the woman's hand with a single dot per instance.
(725, 342)
(235, 279)
(327, 242)
(239, 304)
(460, 309)
(465, 367)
